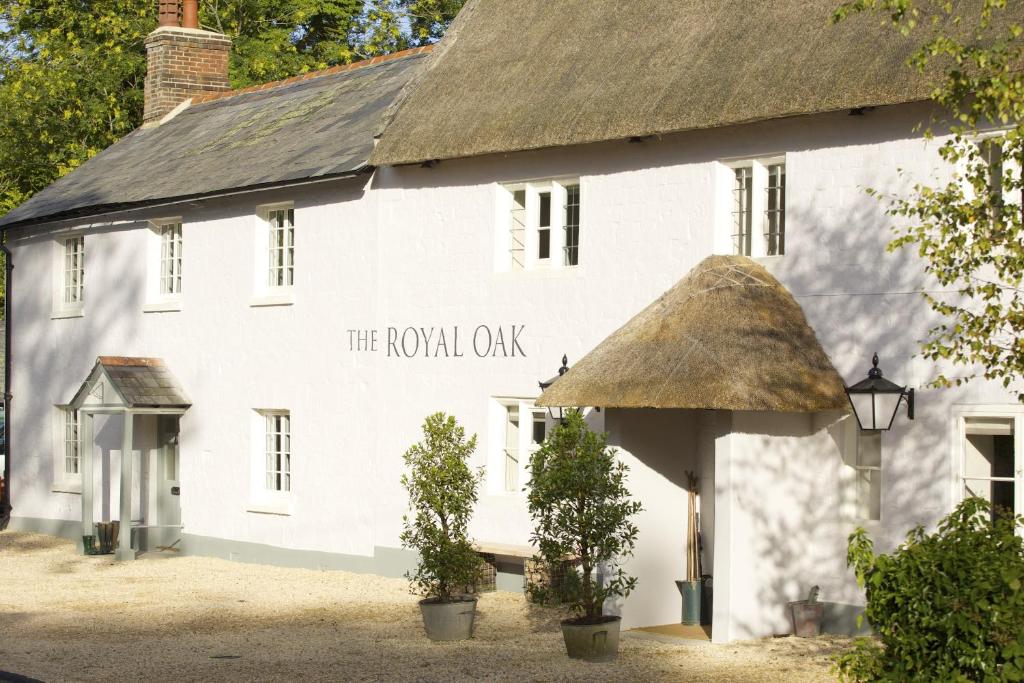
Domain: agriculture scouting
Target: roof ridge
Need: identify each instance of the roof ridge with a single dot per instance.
(341, 68)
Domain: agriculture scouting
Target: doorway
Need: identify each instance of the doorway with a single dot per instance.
(164, 529)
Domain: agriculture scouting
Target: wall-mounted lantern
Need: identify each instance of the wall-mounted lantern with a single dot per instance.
(875, 400)
(556, 413)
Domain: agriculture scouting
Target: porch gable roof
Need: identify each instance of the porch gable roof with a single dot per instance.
(135, 382)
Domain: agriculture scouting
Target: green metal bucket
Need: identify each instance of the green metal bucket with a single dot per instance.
(690, 590)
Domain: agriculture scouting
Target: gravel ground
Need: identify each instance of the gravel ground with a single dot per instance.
(65, 617)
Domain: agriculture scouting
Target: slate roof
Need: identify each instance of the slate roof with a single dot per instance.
(318, 126)
(515, 75)
(144, 382)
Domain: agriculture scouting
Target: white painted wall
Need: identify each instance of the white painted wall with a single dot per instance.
(415, 247)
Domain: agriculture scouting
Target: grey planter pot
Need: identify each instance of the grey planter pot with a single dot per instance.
(691, 592)
(448, 620)
(806, 618)
(592, 642)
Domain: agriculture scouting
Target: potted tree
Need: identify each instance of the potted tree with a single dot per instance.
(581, 513)
(442, 491)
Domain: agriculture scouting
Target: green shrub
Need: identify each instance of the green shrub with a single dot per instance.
(581, 513)
(946, 606)
(442, 492)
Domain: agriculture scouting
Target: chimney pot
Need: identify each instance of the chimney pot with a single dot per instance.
(169, 12)
(190, 14)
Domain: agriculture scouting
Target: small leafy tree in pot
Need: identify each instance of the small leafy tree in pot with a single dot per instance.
(946, 606)
(442, 492)
(582, 512)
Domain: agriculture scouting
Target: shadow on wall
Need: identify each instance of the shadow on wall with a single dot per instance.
(47, 352)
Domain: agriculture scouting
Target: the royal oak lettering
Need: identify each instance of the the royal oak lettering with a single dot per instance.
(481, 341)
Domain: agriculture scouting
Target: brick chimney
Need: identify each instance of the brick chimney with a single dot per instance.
(182, 60)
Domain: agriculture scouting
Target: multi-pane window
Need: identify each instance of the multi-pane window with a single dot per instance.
(170, 258)
(72, 442)
(512, 447)
(282, 247)
(775, 211)
(74, 270)
(516, 439)
(742, 212)
(517, 230)
(542, 227)
(868, 467)
(279, 451)
(572, 225)
(989, 469)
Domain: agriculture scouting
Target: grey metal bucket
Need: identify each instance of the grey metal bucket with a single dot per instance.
(690, 590)
(592, 642)
(448, 620)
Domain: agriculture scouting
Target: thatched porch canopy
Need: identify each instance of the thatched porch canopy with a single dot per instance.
(728, 336)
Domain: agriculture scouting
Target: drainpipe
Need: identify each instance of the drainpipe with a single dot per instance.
(5, 499)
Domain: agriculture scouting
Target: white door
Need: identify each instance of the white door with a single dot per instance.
(168, 497)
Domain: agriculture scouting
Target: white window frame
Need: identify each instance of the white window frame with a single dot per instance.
(996, 411)
(66, 481)
(62, 307)
(157, 299)
(500, 479)
(266, 291)
(510, 255)
(725, 222)
(262, 498)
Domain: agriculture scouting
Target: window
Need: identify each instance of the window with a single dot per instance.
(775, 214)
(279, 452)
(281, 271)
(542, 227)
(757, 208)
(742, 213)
(72, 442)
(170, 259)
(74, 271)
(868, 468)
(572, 225)
(519, 440)
(517, 231)
(989, 468)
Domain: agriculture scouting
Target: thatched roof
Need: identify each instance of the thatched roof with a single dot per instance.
(525, 74)
(728, 336)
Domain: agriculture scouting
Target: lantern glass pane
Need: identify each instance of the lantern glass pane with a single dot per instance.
(864, 407)
(885, 409)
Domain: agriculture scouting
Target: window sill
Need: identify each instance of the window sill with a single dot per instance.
(281, 509)
(283, 299)
(67, 313)
(67, 487)
(162, 307)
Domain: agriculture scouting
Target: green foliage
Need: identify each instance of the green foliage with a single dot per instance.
(442, 492)
(581, 511)
(946, 606)
(393, 25)
(970, 229)
(71, 71)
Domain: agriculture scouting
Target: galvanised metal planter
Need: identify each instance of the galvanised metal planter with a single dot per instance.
(691, 592)
(806, 618)
(448, 620)
(592, 642)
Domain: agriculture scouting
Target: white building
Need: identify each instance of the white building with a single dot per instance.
(321, 264)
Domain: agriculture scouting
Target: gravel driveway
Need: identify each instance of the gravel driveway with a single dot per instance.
(65, 617)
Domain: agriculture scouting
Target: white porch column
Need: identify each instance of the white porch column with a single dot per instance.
(124, 543)
(721, 628)
(86, 454)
